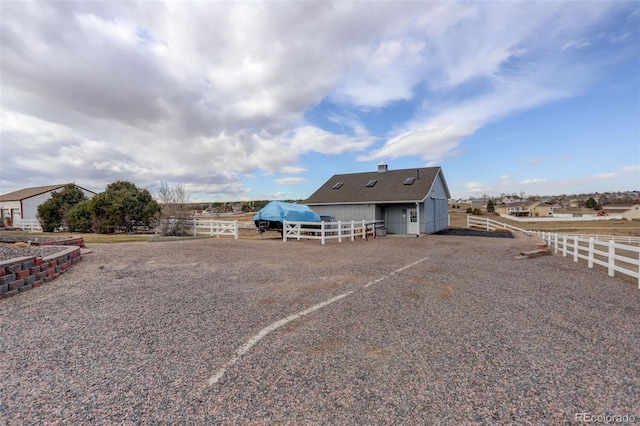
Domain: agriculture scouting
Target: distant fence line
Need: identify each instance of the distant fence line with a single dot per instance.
(615, 253)
(559, 218)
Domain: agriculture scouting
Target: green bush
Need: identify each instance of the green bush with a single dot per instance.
(121, 207)
(54, 212)
(80, 218)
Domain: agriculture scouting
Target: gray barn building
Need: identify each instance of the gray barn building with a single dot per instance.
(409, 201)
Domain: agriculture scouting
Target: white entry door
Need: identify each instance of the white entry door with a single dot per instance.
(412, 221)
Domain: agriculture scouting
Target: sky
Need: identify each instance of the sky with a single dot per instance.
(267, 100)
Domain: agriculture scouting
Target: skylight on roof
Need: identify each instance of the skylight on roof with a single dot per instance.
(371, 183)
(409, 180)
(337, 185)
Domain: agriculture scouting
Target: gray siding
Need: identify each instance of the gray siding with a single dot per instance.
(395, 221)
(435, 216)
(30, 205)
(347, 212)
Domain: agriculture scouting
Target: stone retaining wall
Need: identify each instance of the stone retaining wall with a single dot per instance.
(24, 273)
(71, 241)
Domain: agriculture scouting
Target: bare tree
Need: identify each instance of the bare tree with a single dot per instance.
(174, 217)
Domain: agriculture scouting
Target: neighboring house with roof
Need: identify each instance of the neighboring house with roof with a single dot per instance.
(625, 211)
(526, 209)
(518, 208)
(541, 209)
(23, 204)
(408, 201)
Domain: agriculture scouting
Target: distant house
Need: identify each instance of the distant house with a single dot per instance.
(526, 209)
(408, 201)
(23, 204)
(625, 211)
(541, 209)
(513, 209)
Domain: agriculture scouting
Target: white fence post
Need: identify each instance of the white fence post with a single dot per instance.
(353, 231)
(322, 233)
(236, 229)
(564, 245)
(195, 228)
(590, 260)
(555, 238)
(576, 244)
(284, 230)
(612, 260)
(339, 231)
(364, 230)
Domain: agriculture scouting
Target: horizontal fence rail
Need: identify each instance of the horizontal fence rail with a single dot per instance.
(615, 253)
(324, 231)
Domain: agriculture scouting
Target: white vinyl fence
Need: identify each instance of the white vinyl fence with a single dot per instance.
(324, 231)
(30, 225)
(615, 253)
(216, 228)
(489, 224)
(616, 257)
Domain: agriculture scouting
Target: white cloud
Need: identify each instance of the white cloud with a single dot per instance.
(311, 138)
(576, 44)
(475, 188)
(292, 169)
(630, 169)
(533, 181)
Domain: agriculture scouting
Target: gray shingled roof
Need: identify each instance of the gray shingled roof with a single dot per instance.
(389, 187)
(32, 192)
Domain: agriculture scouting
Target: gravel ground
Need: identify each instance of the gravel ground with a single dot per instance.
(468, 335)
(9, 251)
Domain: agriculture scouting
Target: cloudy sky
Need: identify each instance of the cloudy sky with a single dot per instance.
(267, 100)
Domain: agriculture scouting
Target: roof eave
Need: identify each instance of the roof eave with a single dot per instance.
(364, 202)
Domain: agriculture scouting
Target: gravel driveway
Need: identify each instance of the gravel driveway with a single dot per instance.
(431, 330)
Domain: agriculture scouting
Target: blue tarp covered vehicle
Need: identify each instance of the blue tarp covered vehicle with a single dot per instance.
(271, 216)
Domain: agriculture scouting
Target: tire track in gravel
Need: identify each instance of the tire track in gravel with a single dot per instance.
(246, 347)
